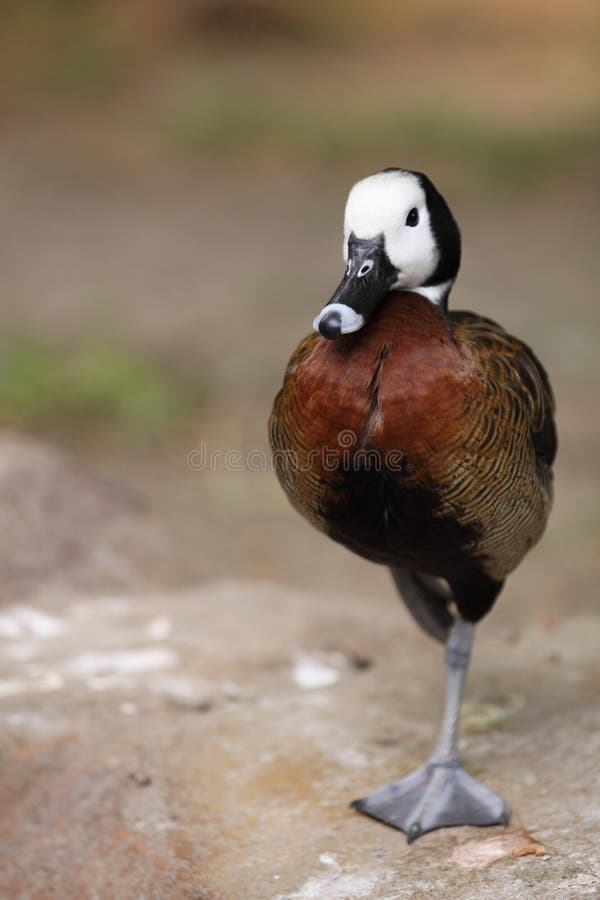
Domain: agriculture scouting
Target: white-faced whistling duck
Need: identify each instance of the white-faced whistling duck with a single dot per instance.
(421, 439)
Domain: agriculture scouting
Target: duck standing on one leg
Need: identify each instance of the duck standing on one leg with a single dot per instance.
(423, 440)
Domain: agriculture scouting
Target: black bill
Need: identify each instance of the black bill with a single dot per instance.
(369, 276)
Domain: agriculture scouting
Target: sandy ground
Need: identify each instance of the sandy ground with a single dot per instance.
(161, 742)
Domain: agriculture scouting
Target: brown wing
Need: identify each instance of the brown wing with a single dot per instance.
(516, 375)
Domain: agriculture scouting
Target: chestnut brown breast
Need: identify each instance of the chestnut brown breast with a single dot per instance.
(419, 441)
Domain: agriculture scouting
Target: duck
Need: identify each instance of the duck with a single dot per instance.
(422, 439)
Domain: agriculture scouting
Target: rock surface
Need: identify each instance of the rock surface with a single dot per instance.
(204, 743)
(62, 526)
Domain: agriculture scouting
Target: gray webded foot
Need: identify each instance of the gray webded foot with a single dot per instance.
(434, 796)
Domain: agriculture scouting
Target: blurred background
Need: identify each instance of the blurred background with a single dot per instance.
(172, 183)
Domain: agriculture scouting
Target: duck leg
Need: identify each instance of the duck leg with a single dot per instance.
(440, 794)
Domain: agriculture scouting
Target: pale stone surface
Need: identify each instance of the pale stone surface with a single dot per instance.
(195, 765)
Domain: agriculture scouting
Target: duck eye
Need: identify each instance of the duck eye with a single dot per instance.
(365, 268)
(412, 218)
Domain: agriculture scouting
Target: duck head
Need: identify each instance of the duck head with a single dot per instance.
(398, 233)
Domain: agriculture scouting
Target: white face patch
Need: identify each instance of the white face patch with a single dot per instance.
(381, 204)
(351, 320)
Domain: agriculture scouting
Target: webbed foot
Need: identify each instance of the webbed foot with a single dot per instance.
(437, 795)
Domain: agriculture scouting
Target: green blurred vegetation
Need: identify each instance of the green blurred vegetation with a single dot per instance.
(99, 383)
(487, 148)
(88, 66)
(227, 79)
(61, 49)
